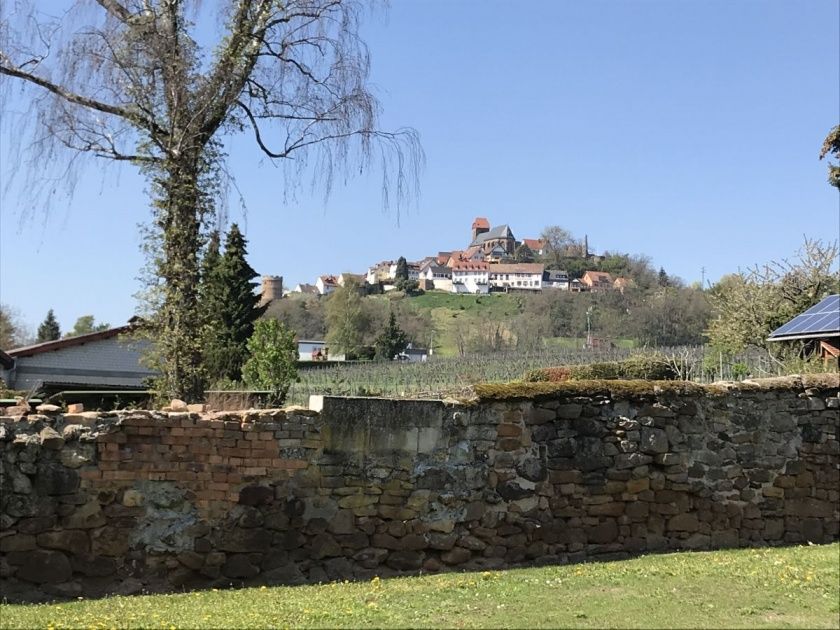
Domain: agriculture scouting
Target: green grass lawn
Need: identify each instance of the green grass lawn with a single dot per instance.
(776, 588)
(450, 309)
(488, 305)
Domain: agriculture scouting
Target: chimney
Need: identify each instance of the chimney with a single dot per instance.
(272, 289)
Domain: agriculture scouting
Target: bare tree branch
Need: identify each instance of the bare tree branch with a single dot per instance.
(116, 9)
(67, 95)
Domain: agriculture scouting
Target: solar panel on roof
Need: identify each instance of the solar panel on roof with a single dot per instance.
(821, 319)
(831, 304)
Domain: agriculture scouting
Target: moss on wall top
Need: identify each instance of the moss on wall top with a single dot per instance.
(631, 389)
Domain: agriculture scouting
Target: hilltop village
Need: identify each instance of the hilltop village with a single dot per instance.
(493, 261)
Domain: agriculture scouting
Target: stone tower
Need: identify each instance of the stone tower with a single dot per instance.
(272, 289)
(479, 226)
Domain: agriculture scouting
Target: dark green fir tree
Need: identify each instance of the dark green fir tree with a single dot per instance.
(231, 307)
(392, 341)
(49, 329)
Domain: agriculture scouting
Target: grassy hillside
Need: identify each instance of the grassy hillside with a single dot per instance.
(795, 587)
(451, 312)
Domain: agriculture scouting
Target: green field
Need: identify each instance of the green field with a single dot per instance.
(450, 310)
(795, 587)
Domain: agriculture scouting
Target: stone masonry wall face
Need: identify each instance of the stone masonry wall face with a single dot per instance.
(92, 503)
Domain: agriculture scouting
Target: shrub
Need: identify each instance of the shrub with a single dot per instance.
(553, 375)
(272, 364)
(639, 367)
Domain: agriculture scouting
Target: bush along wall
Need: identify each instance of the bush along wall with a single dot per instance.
(126, 502)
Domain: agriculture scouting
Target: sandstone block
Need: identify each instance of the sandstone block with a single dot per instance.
(45, 567)
(603, 533)
(239, 566)
(17, 542)
(93, 566)
(405, 560)
(683, 523)
(51, 439)
(53, 478)
(569, 411)
(653, 441)
(509, 430)
(72, 540)
(458, 555)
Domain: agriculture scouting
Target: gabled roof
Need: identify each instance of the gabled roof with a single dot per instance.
(6, 361)
(329, 280)
(473, 252)
(498, 232)
(470, 266)
(68, 342)
(534, 244)
(528, 268)
(303, 287)
(598, 277)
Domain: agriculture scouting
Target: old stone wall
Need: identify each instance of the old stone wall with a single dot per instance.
(97, 503)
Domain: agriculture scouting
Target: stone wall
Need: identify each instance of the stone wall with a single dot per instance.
(97, 503)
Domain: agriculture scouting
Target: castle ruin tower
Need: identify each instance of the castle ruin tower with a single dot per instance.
(479, 226)
(272, 289)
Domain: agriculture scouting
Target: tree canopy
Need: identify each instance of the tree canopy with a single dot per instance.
(272, 359)
(347, 320)
(231, 307)
(749, 305)
(831, 148)
(159, 84)
(49, 330)
(85, 325)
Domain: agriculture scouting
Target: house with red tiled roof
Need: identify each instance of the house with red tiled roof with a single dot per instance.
(536, 245)
(326, 284)
(516, 277)
(597, 280)
(470, 277)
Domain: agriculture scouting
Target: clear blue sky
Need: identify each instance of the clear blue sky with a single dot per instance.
(686, 131)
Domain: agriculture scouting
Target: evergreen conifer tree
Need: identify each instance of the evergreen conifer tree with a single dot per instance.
(231, 307)
(49, 329)
(392, 341)
(401, 272)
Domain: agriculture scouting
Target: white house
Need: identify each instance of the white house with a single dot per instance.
(470, 277)
(326, 284)
(413, 355)
(439, 276)
(413, 271)
(344, 278)
(380, 272)
(517, 277)
(556, 279)
(309, 289)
